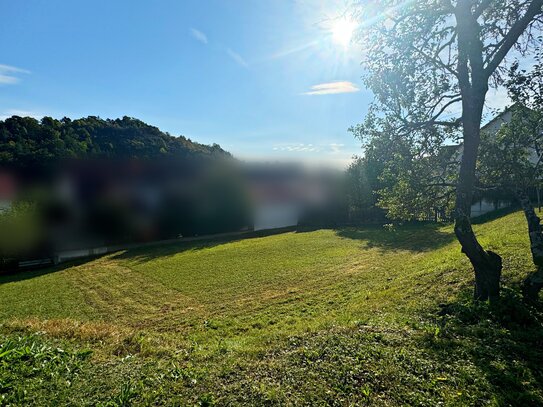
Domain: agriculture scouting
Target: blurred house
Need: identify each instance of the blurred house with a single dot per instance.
(276, 202)
(8, 190)
(282, 196)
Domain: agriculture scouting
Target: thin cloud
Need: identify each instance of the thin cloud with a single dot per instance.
(330, 148)
(198, 35)
(22, 113)
(237, 58)
(8, 74)
(335, 148)
(297, 147)
(332, 88)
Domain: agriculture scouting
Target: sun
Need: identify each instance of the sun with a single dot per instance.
(342, 31)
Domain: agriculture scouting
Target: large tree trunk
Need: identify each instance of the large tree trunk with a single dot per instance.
(486, 264)
(534, 282)
(473, 83)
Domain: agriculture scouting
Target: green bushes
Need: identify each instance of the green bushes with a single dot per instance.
(21, 232)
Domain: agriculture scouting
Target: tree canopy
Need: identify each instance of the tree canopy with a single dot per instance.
(25, 141)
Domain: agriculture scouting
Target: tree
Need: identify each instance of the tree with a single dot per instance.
(126, 180)
(414, 180)
(364, 179)
(507, 163)
(26, 142)
(430, 64)
(511, 158)
(527, 88)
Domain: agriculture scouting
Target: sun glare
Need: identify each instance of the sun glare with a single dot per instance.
(342, 31)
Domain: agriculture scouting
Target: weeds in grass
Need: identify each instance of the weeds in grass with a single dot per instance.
(28, 364)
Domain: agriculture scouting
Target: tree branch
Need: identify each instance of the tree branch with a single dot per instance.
(436, 61)
(481, 8)
(513, 35)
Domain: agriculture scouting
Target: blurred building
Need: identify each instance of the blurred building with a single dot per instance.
(8, 190)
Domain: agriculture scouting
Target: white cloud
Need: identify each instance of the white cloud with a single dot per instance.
(237, 57)
(8, 74)
(8, 80)
(198, 35)
(330, 148)
(23, 113)
(335, 148)
(331, 88)
(297, 147)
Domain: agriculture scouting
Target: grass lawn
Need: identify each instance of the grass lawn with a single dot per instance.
(329, 317)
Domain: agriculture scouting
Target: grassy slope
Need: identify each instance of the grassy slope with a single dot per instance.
(329, 317)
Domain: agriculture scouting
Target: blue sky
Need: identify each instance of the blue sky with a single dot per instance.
(264, 79)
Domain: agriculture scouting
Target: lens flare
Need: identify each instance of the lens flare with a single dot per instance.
(342, 31)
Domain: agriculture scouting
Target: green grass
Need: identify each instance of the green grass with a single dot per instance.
(329, 317)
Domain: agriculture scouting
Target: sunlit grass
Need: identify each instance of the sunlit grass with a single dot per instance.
(247, 321)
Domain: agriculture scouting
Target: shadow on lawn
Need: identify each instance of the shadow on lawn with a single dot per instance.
(504, 342)
(142, 254)
(145, 254)
(499, 213)
(416, 238)
(20, 275)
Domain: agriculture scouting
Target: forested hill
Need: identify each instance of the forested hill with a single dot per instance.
(25, 141)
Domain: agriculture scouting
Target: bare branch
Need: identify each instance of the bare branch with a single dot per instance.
(435, 60)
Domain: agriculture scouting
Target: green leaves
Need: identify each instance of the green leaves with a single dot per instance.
(27, 142)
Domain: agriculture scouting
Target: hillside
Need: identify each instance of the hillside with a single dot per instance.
(25, 141)
(338, 317)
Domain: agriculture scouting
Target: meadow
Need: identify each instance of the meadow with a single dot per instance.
(354, 316)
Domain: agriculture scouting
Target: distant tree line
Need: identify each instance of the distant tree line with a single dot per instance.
(26, 142)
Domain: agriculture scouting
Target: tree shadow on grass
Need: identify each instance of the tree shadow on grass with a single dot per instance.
(21, 275)
(146, 254)
(490, 216)
(416, 238)
(504, 341)
(137, 255)
(141, 254)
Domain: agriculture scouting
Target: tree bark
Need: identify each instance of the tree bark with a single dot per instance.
(473, 83)
(533, 284)
(486, 264)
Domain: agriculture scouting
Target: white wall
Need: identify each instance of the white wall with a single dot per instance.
(485, 206)
(274, 216)
(4, 205)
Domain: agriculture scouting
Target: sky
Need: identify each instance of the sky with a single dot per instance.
(267, 80)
